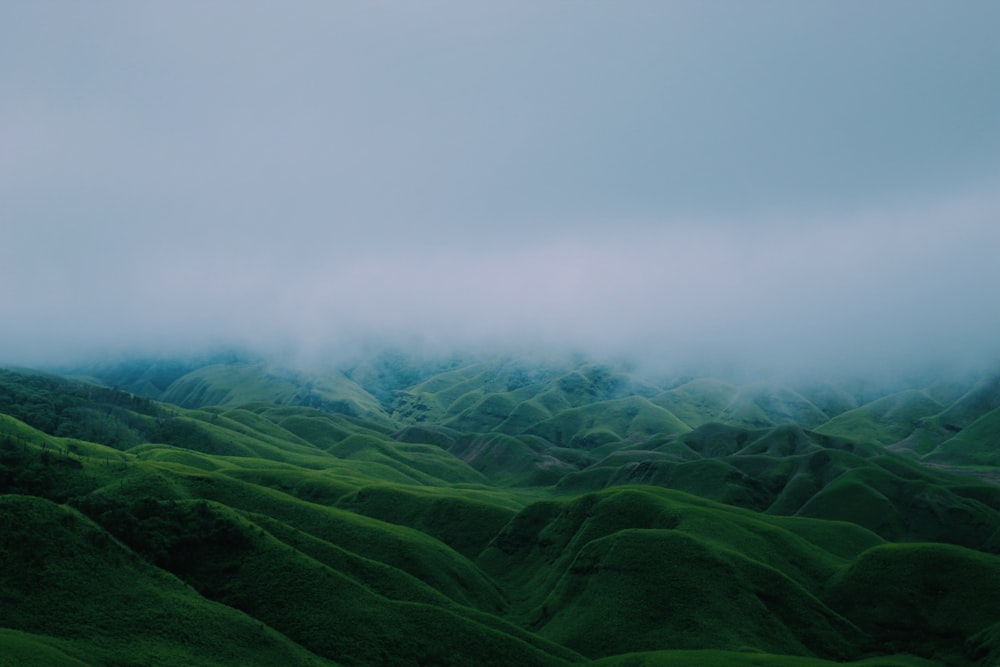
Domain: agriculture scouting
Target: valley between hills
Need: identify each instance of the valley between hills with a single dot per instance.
(393, 511)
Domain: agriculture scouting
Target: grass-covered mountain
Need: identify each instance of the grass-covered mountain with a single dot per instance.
(454, 512)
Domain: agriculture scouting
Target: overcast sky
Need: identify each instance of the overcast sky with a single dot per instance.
(776, 181)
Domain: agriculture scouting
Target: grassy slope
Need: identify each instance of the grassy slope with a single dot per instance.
(412, 534)
(226, 557)
(886, 420)
(977, 444)
(23, 649)
(788, 471)
(767, 404)
(634, 418)
(242, 383)
(716, 658)
(697, 402)
(85, 596)
(150, 506)
(581, 572)
(920, 597)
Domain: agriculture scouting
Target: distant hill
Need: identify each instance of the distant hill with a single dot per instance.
(403, 511)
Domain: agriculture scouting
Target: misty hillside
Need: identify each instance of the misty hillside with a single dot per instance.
(500, 333)
(405, 511)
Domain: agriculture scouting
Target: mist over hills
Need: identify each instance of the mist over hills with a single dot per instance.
(456, 510)
(643, 333)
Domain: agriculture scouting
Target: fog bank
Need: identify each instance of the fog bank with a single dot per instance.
(775, 185)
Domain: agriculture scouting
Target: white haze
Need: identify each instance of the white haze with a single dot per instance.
(776, 184)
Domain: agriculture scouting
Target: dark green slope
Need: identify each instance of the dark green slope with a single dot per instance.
(709, 478)
(82, 596)
(403, 596)
(641, 568)
(465, 521)
(23, 649)
(790, 471)
(917, 508)
(452, 512)
(718, 658)
(72, 409)
(228, 558)
(401, 547)
(663, 588)
(922, 598)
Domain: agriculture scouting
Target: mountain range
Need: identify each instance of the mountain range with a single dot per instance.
(453, 511)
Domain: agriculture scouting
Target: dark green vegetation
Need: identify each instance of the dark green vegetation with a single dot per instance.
(452, 513)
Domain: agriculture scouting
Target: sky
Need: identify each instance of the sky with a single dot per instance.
(775, 182)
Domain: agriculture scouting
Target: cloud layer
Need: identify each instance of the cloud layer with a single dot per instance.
(784, 183)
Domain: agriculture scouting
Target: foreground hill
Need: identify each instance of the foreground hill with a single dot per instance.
(492, 512)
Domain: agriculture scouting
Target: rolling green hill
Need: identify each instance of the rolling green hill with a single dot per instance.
(402, 511)
(74, 594)
(886, 420)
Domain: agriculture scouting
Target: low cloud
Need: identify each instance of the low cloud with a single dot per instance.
(784, 186)
(907, 287)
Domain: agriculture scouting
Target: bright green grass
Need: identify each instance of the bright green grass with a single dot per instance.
(477, 413)
(318, 428)
(242, 383)
(424, 464)
(609, 421)
(977, 444)
(886, 420)
(525, 415)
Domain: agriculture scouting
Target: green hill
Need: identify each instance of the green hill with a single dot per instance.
(920, 597)
(242, 383)
(886, 420)
(493, 511)
(978, 444)
(642, 568)
(75, 595)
